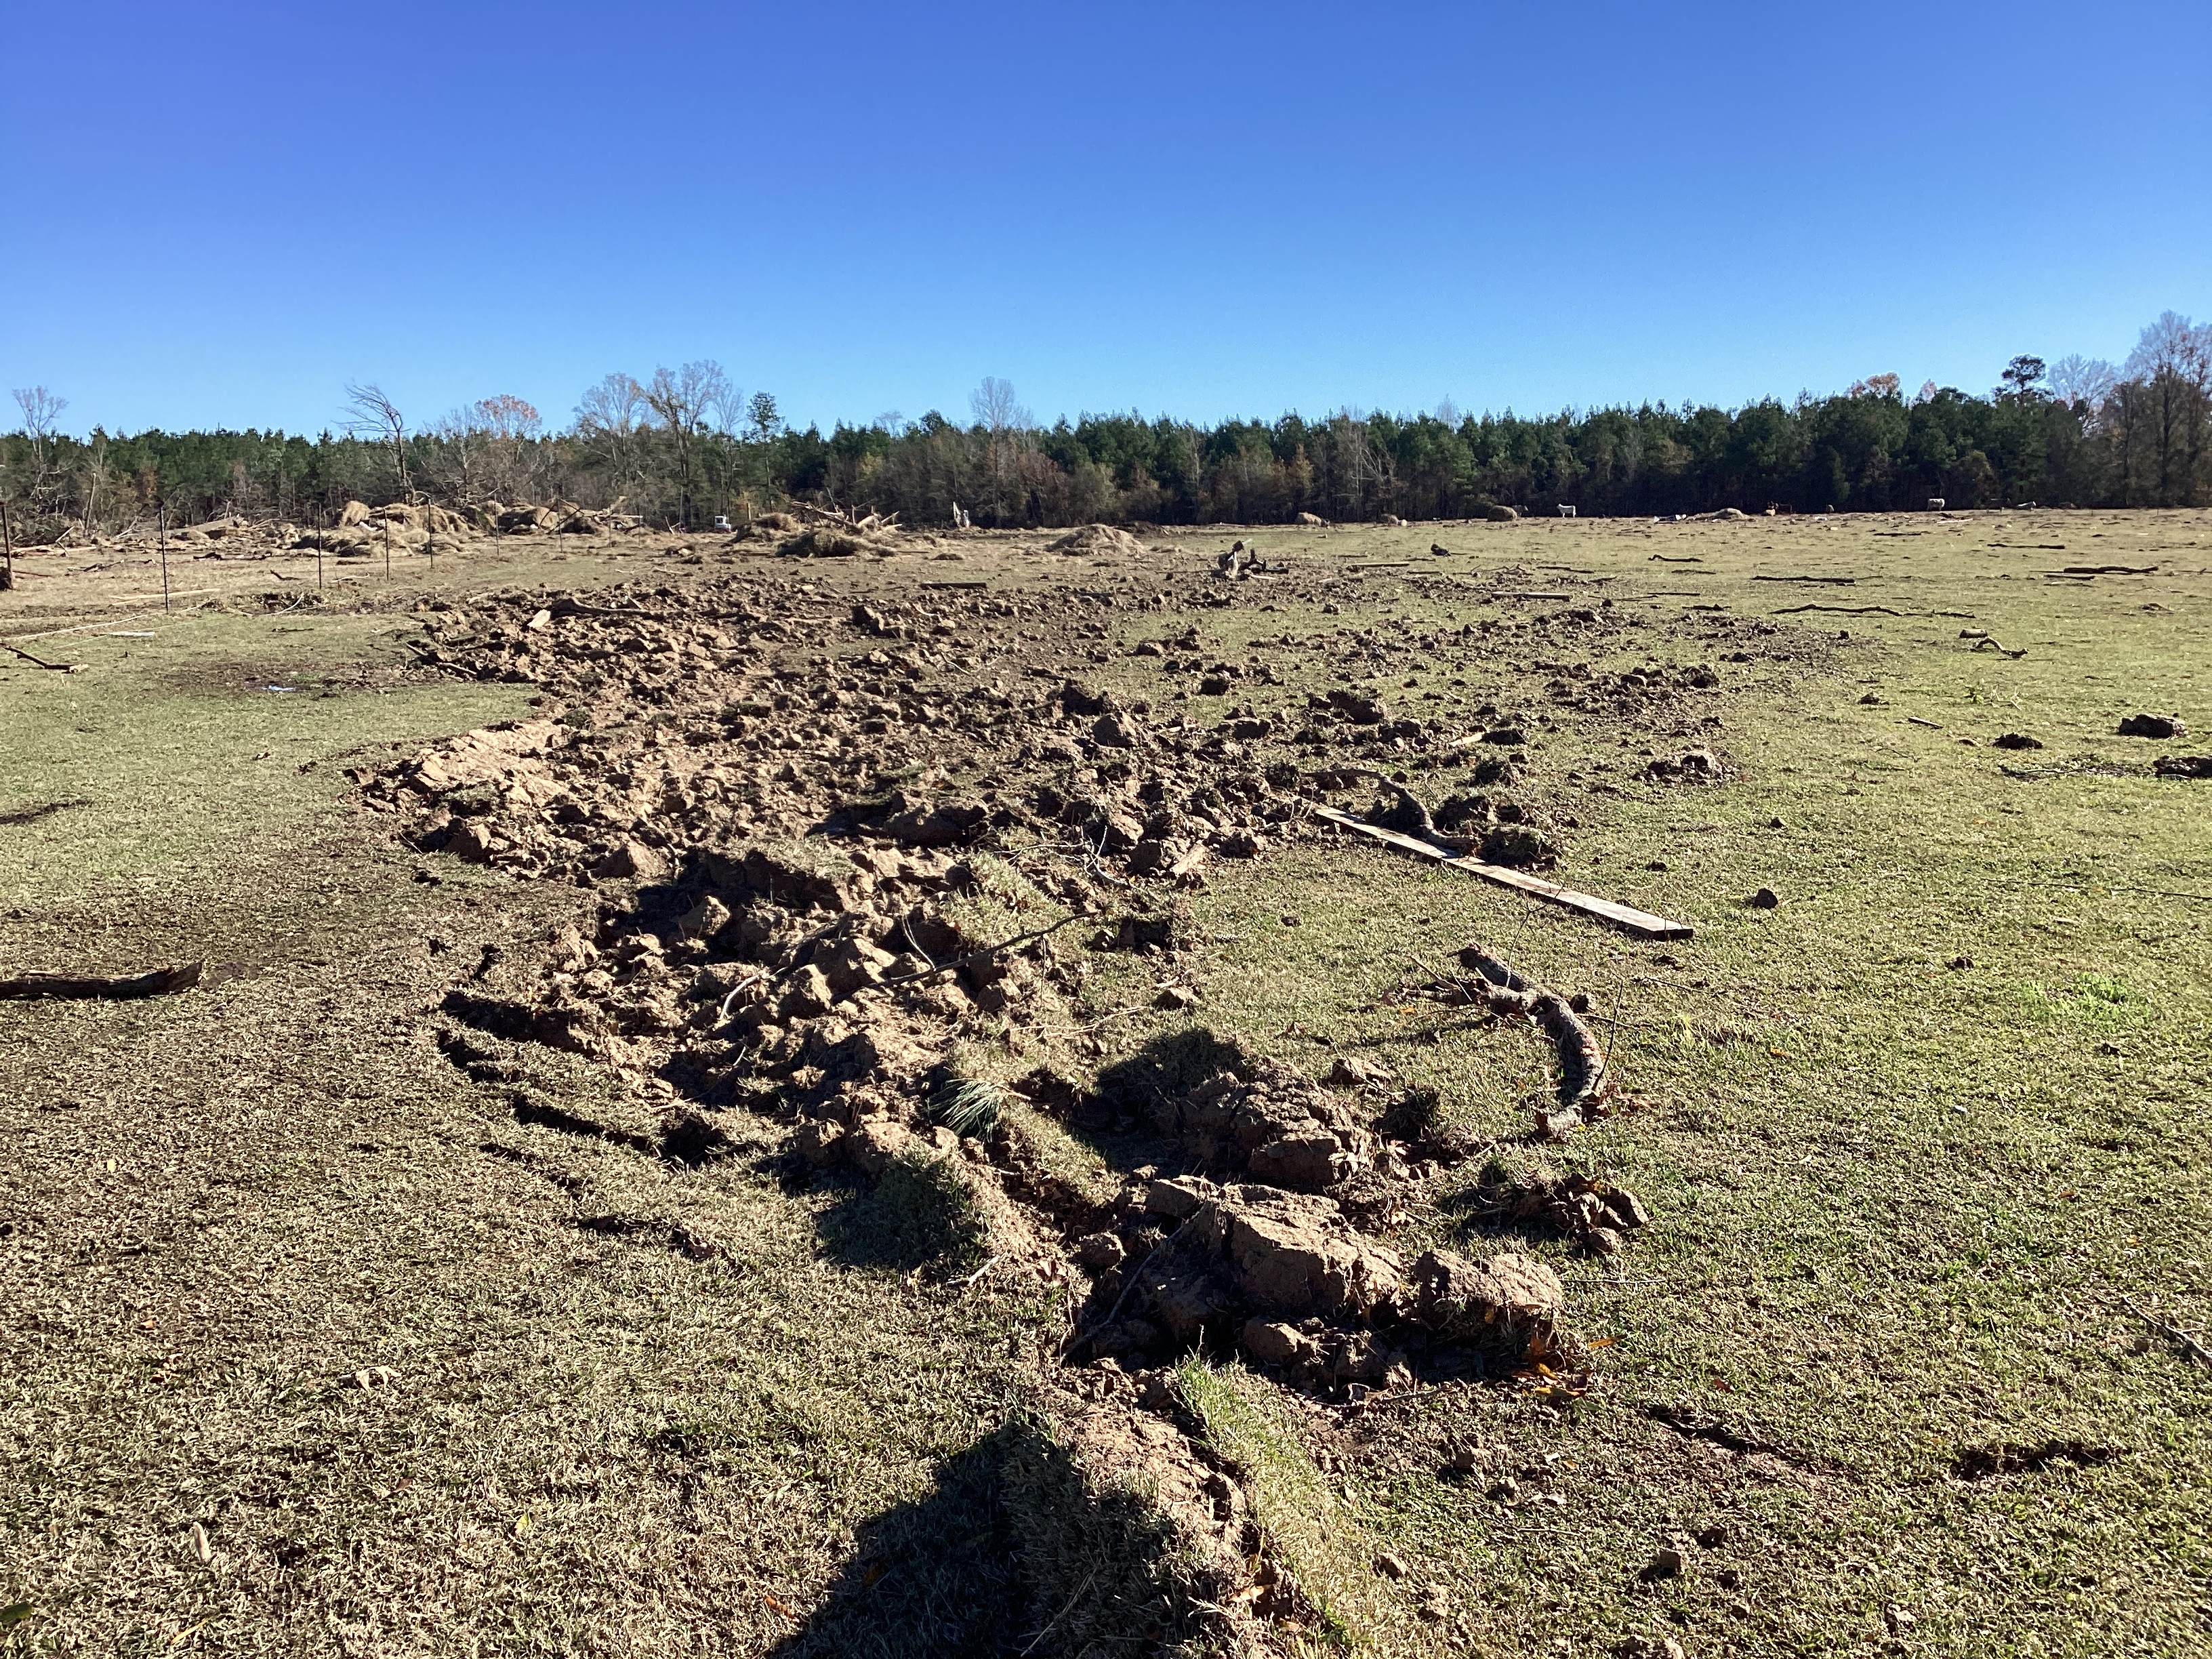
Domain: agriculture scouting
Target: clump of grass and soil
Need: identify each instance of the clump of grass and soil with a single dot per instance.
(724, 1151)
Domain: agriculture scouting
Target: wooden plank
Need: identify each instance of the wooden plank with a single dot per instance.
(1636, 921)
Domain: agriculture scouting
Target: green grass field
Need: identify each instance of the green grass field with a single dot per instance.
(1889, 1339)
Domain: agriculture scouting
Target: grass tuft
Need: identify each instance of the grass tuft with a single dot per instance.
(969, 1106)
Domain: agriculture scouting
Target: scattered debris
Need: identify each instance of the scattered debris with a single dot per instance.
(2014, 740)
(33, 814)
(2182, 766)
(1840, 610)
(1593, 1213)
(842, 847)
(1584, 1080)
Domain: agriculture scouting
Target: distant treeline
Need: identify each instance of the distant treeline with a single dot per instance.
(684, 447)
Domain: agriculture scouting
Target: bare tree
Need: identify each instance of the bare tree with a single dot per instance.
(2170, 401)
(1005, 424)
(1365, 470)
(97, 478)
(996, 411)
(607, 422)
(2078, 380)
(42, 414)
(375, 419)
(507, 416)
(611, 405)
(726, 410)
(680, 402)
(40, 495)
(485, 444)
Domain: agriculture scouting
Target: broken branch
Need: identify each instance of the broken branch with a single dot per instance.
(59, 668)
(2189, 1344)
(161, 981)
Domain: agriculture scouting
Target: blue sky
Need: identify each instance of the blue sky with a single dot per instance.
(220, 214)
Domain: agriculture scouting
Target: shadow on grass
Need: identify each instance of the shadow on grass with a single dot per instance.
(933, 1578)
(923, 1212)
(1011, 1550)
(1167, 1066)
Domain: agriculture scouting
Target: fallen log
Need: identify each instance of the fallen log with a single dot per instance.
(160, 983)
(40, 662)
(1583, 1079)
(1641, 922)
(1840, 610)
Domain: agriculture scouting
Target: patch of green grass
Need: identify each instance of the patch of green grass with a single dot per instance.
(163, 754)
(1307, 1531)
(1901, 1207)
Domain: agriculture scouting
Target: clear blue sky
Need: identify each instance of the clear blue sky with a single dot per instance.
(219, 214)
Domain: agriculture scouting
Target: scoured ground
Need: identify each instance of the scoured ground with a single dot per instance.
(852, 870)
(587, 1233)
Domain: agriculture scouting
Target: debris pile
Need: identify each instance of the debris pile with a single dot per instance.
(363, 530)
(1595, 1213)
(1286, 1278)
(840, 839)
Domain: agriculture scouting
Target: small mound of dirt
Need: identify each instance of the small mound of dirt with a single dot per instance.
(1097, 539)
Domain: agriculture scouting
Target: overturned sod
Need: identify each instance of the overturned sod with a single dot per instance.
(686, 1143)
